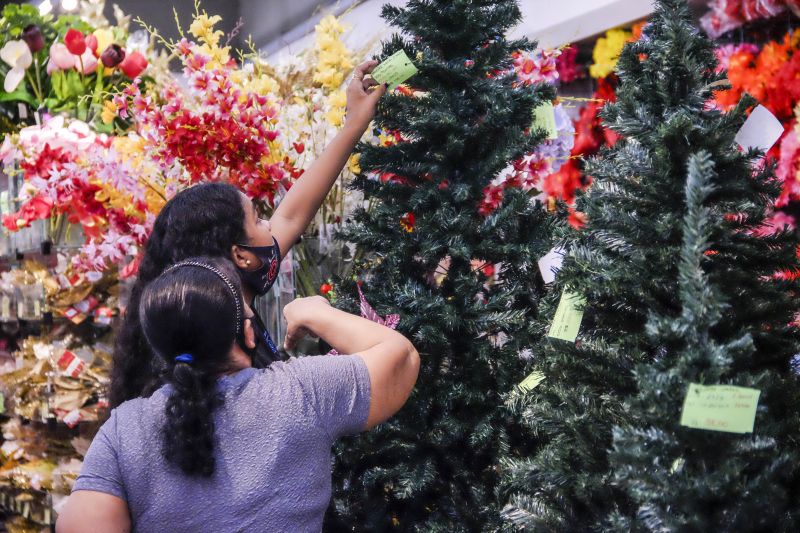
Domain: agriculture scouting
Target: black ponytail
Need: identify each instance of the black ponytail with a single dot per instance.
(189, 430)
(193, 313)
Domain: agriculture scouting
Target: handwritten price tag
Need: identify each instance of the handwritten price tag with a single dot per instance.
(531, 382)
(568, 317)
(395, 70)
(720, 408)
(544, 118)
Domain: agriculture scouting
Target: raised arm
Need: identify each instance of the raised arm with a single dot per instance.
(391, 359)
(304, 199)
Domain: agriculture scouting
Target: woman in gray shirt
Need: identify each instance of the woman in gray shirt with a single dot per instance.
(223, 446)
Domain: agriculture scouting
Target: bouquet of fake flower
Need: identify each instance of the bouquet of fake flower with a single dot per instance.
(222, 128)
(61, 65)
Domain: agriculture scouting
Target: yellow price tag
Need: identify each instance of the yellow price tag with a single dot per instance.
(532, 381)
(720, 408)
(567, 321)
(544, 118)
(394, 70)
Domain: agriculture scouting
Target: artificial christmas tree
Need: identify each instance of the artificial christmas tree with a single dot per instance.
(433, 244)
(678, 276)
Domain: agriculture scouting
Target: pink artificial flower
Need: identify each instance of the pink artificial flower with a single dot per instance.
(87, 63)
(60, 58)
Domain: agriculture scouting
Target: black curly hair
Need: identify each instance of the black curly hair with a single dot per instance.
(180, 314)
(205, 220)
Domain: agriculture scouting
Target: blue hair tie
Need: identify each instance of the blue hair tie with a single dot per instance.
(184, 358)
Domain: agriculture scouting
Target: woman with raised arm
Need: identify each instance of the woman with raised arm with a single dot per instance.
(217, 220)
(224, 446)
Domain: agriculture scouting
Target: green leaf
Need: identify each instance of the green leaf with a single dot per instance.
(75, 85)
(20, 95)
(59, 83)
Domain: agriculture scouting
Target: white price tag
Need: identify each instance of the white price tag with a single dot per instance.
(761, 130)
(551, 263)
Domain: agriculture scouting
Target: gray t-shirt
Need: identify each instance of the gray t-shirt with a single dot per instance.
(273, 455)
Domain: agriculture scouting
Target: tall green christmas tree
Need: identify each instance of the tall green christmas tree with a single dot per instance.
(657, 317)
(465, 117)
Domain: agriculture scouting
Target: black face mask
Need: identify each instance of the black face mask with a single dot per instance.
(262, 278)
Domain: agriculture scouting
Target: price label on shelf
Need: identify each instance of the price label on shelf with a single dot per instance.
(567, 321)
(720, 408)
(395, 70)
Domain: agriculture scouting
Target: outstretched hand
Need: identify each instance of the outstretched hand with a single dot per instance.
(363, 94)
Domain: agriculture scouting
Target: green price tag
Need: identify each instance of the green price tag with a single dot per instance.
(568, 317)
(720, 408)
(531, 382)
(395, 69)
(2, 403)
(544, 118)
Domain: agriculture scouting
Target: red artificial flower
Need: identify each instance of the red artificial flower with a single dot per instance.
(576, 219)
(133, 65)
(37, 208)
(492, 198)
(299, 147)
(325, 289)
(407, 222)
(75, 41)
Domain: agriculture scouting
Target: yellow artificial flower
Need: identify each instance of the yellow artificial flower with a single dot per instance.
(263, 84)
(334, 60)
(105, 38)
(109, 112)
(337, 103)
(330, 24)
(354, 164)
(202, 28)
(606, 52)
(217, 56)
(329, 78)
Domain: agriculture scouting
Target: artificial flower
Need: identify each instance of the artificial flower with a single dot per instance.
(109, 112)
(202, 28)
(104, 38)
(87, 63)
(606, 52)
(407, 222)
(75, 41)
(133, 64)
(112, 56)
(60, 58)
(32, 35)
(18, 56)
(567, 65)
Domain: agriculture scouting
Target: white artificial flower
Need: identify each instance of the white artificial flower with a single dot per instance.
(19, 58)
